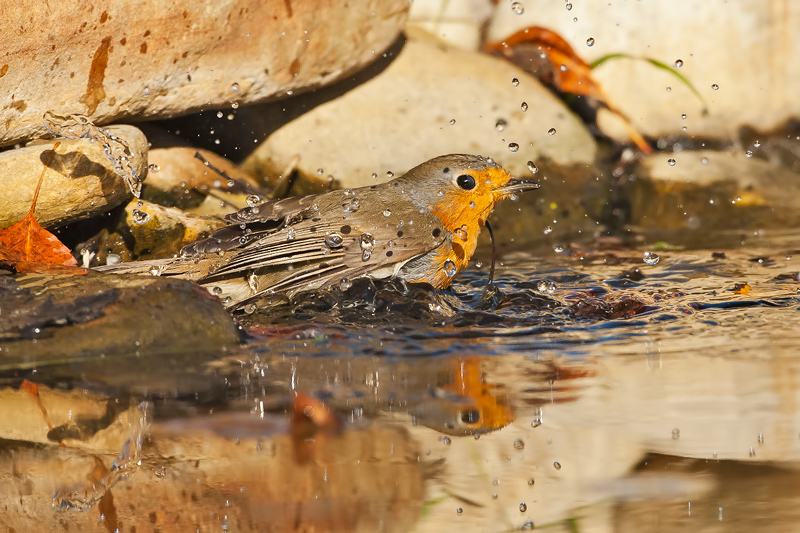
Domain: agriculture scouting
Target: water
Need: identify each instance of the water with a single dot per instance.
(631, 396)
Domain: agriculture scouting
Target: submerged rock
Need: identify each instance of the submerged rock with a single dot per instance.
(53, 318)
(708, 190)
(80, 180)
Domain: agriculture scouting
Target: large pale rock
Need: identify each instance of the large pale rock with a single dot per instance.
(112, 59)
(430, 101)
(80, 180)
(747, 48)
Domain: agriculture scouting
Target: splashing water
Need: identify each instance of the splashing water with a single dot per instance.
(85, 496)
(117, 150)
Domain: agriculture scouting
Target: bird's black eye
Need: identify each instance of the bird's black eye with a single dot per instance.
(466, 182)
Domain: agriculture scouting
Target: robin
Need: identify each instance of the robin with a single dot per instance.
(420, 227)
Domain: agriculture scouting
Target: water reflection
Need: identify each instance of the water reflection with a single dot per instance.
(620, 400)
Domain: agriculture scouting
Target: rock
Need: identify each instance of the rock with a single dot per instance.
(403, 117)
(708, 190)
(456, 23)
(111, 59)
(147, 231)
(716, 41)
(52, 318)
(158, 231)
(179, 178)
(80, 181)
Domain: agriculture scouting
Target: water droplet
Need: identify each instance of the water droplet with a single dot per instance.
(538, 417)
(235, 87)
(366, 254)
(678, 63)
(345, 284)
(557, 465)
(146, 91)
(478, 263)
(523, 507)
(532, 168)
(333, 240)
(651, 258)
(531, 481)
(752, 452)
(367, 241)
(152, 167)
(220, 114)
(558, 248)
(715, 87)
(524, 106)
(235, 105)
(757, 144)
(519, 444)
(140, 217)
(446, 440)
(669, 89)
(291, 234)
(719, 513)
(500, 125)
(243, 240)
(389, 175)
(459, 510)
(387, 212)
(704, 160)
(472, 204)
(551, 131)
(452, 121)
(160, 472)
(351, 205)
(546, 286)
(683, 116)
(156, 270)
(671, 162)
(216, 291)
(761, 438)
(748, 154)
(568, 5)
(590, 41)
(548, 230)
(461, 232)
(450, 269)
(513, 147)
(253, 200)
(517, 8)
(515, 82)
(676, 434)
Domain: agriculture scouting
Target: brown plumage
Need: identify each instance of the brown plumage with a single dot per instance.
(420, 227)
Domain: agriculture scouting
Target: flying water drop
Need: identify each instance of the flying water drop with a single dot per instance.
(651, 258)
(450, 269)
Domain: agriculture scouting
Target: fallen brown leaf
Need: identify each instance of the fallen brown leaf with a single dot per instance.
(27, 246)
(546, 55)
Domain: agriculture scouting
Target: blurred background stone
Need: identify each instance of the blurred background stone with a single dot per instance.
(747, 49)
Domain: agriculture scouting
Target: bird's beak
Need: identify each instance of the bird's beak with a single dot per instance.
(516, 186)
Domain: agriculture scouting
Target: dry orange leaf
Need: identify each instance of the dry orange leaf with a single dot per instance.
(27, 246)
(560, 67)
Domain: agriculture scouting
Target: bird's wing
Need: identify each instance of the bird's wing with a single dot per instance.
(315, 242)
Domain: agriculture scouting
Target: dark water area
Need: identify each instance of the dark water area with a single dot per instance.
(588, 390)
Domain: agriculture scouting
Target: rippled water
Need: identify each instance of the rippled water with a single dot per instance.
(587, 391)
